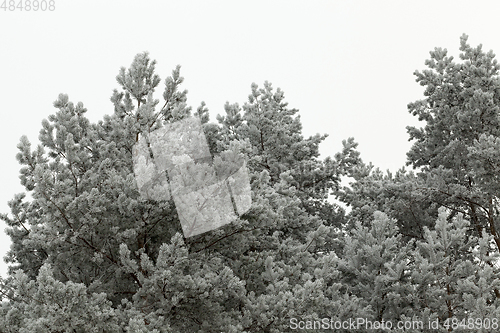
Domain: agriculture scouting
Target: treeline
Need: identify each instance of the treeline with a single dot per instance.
(91, 254)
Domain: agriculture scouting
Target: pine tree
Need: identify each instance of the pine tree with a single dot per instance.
(454, 153)
(100, 257)
(457, 161)
(376, 268)
(453, 276)
(279, 148)
(461, 115)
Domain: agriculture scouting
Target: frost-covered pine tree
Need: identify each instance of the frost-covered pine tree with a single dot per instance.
(90, 254)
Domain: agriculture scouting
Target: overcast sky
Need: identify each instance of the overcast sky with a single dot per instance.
(346, 65)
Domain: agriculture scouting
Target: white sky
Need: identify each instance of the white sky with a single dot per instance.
(346, 65)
